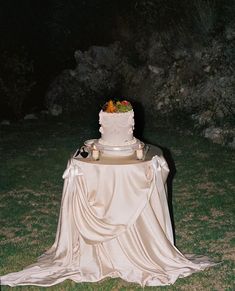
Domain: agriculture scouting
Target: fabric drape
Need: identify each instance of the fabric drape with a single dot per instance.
(114, 222)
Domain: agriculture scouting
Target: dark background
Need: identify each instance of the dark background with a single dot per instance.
(39, 38)
(47, 33)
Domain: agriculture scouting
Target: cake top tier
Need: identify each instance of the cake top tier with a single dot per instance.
(117, 106)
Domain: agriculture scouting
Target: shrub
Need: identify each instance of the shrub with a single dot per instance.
(16, 81)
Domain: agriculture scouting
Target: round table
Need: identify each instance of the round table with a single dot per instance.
(114, 222)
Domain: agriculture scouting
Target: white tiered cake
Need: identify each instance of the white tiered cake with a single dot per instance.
(117, 122)
(117, 128)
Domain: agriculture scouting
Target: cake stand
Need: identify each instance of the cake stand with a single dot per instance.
(114, 151)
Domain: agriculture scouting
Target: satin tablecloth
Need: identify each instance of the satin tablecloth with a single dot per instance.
(114, 222)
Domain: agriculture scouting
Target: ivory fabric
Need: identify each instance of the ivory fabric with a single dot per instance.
(114, 222)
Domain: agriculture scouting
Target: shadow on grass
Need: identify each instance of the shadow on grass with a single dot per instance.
(171, 164)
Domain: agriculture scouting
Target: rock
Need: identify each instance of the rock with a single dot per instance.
(198, 55)
(232, 144)
(230, 32)
(56, 110)
(156, 70)
(207, 69)
(5, 122)
(219, 113)
(161, 78)
(167, 101)
(30, 116)
(153, 51)
(205, 117)
(44, 112)
(99, 56)
(180, 53)
(195, 116)
(215, 134)
(97, 74)
(160, 105)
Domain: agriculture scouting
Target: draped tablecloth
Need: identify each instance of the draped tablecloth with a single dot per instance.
(114, 222)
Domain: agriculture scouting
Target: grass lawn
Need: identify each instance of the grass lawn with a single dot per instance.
(33, 156)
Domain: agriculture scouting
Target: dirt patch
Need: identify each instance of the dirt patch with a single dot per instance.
(201, 155)
(209, 186)
(215, 213)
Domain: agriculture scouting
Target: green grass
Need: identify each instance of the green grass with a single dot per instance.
(33, 156)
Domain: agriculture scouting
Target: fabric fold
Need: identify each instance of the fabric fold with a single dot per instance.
(114, 222)
(94, 226)
(72, 171)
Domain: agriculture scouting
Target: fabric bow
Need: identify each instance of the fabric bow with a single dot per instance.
(72, 171)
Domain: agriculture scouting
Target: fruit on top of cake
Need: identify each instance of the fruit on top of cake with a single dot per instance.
(117, 106)
(123, 106)
(111, 107)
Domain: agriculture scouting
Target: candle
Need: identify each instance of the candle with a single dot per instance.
(139, 153)
(95, 153)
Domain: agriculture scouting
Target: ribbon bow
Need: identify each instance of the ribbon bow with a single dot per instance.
(72, 171)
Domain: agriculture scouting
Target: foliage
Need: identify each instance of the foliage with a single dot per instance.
(77, 25)
(178, 23)
(16, 80)
(193, 15)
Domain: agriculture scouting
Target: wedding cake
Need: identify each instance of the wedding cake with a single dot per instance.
(116, 121)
